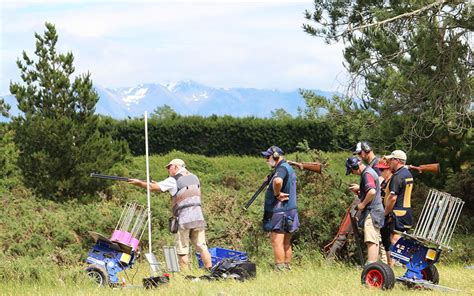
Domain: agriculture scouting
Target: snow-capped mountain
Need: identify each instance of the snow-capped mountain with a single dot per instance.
(192, 98)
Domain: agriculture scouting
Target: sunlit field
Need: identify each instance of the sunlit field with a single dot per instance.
(306, 279)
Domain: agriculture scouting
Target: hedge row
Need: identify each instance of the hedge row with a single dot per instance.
(225, 135)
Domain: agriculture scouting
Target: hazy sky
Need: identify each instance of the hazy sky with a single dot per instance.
(257, 44)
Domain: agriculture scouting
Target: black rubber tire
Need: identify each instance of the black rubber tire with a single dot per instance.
(98, 274)
(378, 275)
(431, 274)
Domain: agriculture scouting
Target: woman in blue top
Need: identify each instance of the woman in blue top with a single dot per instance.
(280, 212)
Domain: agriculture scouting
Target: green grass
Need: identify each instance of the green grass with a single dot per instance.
(43, 241)
(306, 279)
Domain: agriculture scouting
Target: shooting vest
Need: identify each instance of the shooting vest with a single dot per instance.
(404, 179)
(385, 187)
(289, 186)
(375, 207)
(186, 203)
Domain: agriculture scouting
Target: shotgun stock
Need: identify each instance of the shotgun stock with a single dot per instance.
(428, 168)
(259, 190)
(310, 166)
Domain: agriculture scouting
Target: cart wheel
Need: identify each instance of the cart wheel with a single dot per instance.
(431, 274)
(378, 275)
(98, 274)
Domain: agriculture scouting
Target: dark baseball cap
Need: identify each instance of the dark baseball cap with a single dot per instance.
(271, 150)
(351, 163)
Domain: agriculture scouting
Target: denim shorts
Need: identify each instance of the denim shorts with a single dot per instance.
(282, 222)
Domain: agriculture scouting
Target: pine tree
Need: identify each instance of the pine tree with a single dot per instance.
(164, 112)
(280, 114)
(57, 133)
(4, 108)
(411, 64)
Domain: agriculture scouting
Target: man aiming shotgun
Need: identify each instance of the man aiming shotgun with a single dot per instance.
(187, 223)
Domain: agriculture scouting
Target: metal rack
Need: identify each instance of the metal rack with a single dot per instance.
(132, 214)
(438, 218)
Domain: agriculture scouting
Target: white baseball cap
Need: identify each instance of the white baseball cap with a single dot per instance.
(177, 162)
(399, 154)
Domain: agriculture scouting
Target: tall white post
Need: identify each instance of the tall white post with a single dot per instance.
(148, 183)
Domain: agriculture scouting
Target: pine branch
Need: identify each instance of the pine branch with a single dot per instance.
(403, 15)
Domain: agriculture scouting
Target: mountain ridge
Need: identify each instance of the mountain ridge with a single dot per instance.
(191, 98)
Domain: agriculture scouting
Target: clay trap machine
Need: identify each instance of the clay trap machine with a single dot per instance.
(109, 256)
(421, 250)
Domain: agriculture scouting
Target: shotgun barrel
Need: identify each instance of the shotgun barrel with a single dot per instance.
(259, 190)
(357, 237)
(310, 166)
(115, 178)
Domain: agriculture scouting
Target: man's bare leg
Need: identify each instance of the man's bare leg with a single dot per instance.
(277, 240)
(288, 249)
(183, 262)
(205, 257)
(372, 252)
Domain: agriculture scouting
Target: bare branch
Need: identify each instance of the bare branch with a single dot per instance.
(403, 15)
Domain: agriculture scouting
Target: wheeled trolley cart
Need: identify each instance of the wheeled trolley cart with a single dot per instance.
(110, 256)
(421, 250)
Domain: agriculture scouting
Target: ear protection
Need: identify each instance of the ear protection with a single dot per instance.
(365, 147)
(352, 163)
(355, 165)
(275, 154)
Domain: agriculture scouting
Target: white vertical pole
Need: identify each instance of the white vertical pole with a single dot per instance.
(148, 183)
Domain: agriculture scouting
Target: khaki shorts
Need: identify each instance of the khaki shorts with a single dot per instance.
(184, 236)
(371, 233)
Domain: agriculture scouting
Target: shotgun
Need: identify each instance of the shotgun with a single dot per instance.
(428, 168)
(259, 190)
(115, 178)
(355, 230)
(310, 166)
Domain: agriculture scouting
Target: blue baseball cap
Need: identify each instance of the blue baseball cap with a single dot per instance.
(271, 150)
(351, 163)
